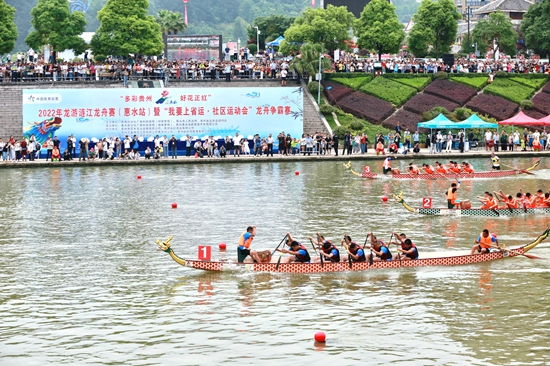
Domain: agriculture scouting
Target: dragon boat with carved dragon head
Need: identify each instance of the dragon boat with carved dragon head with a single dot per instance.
(426, 259)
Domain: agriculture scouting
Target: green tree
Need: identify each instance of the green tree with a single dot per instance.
(56, 26)
(126, 28)
(8, 30)
(379, 29)
(496, 33)
(435, 25)
(270, 28)
(308, 60)
(536, 27)
(329, 27)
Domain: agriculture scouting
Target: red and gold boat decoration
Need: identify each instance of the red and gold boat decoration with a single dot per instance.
(427, 259)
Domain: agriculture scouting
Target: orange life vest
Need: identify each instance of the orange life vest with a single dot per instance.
(486, 242)
(429, 169)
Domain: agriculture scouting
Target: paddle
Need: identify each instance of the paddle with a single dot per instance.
(492, 209)
(281, 253)
(515, 168)
(507, 204)
(346, 247)
(279, 245)
(320, 255)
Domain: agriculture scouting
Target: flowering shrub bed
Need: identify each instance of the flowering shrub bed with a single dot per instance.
(542, 103)
(334, 91)
(532, 83)
(354, 83)
(406, 119)
(493, 106)
(419, 83)
(534, 114)
(366, 106)
(454, 92)
(508, 89)
(546, 88)
(477, 83)
(421, 103)
(389, 90)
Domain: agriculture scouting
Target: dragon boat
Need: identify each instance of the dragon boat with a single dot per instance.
(427, 259)
(463, 211)
(367, 173)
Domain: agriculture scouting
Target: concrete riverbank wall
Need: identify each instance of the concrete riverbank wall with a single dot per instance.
(11, 99)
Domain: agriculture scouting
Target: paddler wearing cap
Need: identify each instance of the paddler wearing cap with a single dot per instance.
(387, 165)
(302, 256)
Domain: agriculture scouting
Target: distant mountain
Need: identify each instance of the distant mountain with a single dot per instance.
(228, 17)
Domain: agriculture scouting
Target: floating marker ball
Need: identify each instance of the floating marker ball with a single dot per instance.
(174, 205)
(222, 246)
(139, 177)
(385, 198)
(320, 337)
(297, 172)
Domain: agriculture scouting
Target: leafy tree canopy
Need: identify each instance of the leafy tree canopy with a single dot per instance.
(496, 33)
(435, 25)
(8, 30)
(536, 27)
(56, 26)
(308, 60)
(126, 28)
(379, 29)
(270, 28)
(329, 27)
(170, 22)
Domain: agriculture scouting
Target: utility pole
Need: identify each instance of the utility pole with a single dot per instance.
(469, 44)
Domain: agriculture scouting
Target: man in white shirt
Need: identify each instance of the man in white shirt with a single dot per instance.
(488, 138)
(237, 144)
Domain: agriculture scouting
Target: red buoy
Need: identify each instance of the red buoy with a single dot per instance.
(222, 246)
(320, 337)
(297, 172)
(174, 205)
(384, 198)
(139, 177)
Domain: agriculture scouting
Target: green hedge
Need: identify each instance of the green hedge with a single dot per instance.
(508, 89)
(355, 82)
(477, 83)
(535, 83)
(344, 75)
(419, 82)
(389, 90)
(504, 74)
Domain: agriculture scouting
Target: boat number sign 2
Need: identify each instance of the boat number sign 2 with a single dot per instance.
(427, 202)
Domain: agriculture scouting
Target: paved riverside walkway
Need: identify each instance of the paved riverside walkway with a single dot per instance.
(419, 158)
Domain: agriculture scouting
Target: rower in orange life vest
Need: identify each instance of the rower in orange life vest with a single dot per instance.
(453, 167)
(428, 169)
(451, 195)
(467, 168)
(409, 250)
(528, 200)
(295, 258)
(354, 250)
(440, 168)
(243, 250)
(380, 249)
(413, 169)
(299, 252)
(387, 165)
(327, 249)
(509, 201)
(484, 242)
(489, 201)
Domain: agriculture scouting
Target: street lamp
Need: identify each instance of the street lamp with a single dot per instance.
(239, 49)
(257, 40)
(319, 76)
(468, 10)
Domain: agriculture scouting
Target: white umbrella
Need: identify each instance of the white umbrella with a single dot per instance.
(95, 139)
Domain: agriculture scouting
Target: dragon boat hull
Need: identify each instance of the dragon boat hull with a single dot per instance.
(436, 176)
(498, 212)
(427, 260)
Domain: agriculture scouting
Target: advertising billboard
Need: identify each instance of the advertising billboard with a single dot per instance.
(199, 112)
(200, 48)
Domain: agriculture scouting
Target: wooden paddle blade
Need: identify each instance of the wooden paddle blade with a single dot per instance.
(278, 262)
(322, 260)
(531, 256)
(371, 259)
(350, 261)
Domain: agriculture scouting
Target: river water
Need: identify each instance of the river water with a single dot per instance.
(82, 282)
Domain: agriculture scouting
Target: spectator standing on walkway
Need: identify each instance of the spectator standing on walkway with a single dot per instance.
(173, 143)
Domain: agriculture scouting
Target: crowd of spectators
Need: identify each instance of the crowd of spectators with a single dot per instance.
(31, 67)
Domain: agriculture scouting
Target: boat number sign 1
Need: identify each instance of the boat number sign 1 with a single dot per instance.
(427, 202)
(205, 252)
